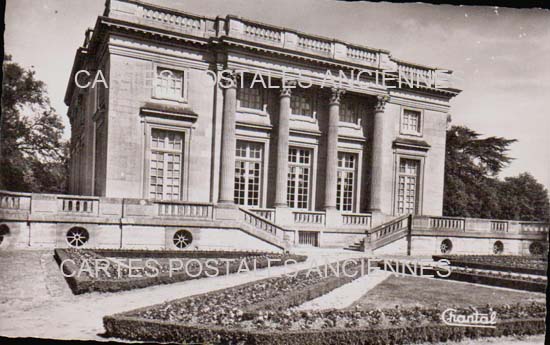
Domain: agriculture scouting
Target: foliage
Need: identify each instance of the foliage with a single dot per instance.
(472, 188)
(33, 156)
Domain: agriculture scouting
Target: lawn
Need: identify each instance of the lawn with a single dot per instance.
(409, 291)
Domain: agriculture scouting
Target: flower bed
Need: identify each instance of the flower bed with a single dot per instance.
(536, 265)
(219, 317)
(88, 270)
(478, 276)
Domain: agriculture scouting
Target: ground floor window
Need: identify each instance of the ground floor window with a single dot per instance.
(299, 177)
(407, 188)
(248, 173)
(165, 166)
(345, 187)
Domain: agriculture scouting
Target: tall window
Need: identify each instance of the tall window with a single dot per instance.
(299, 177)
(302, 103)
(248, 173)
(410, 122)
(251, 98)
(407, 189)
(166, 164)
(345, 187)
(169, 84)
(349, 110)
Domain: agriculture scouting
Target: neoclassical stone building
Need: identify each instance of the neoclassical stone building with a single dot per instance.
(191, 132)
(165, 129)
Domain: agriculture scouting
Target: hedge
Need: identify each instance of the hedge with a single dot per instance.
(392, 326)
(485, 279)
(80, 284)
(464, 262)
(132, 328)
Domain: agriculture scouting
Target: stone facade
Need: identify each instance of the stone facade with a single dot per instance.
(370, 128)
(225, 133)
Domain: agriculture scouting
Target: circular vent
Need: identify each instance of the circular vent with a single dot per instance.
(182, 239)
(446, 246)
(77, 237)
(536, 248)
(498, 247)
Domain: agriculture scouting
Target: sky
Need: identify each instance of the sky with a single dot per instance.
(500, 56)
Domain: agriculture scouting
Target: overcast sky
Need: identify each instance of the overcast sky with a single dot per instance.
(502, 56)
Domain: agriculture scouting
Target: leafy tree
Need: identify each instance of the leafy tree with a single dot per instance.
(33, 156)
(523, 198)
(472, 188)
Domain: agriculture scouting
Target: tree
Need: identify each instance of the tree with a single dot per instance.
(33, 156)
(472, 188)
(523, 198)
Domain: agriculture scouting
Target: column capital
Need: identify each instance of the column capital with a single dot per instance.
(381, 101)
(230, 79)
(286, 88)
(336, 95)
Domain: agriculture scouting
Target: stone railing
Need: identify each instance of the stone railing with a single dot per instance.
(357, 219)
(534, 227)
(309, 217)
(389, 228)
(463, 224)
(185, 209)
(78, 205)
(270, 35)
(318, 45)
(262, 32)
(15, 201)
(260, 223)
(446, 223)
(362, 54)
(499, 226)
(266, 213)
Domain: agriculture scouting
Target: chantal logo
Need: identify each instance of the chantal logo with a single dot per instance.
(451, 317)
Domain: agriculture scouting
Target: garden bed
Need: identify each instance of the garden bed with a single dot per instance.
(105, 270)
(535, 265)
(234, 315)
(478, 276)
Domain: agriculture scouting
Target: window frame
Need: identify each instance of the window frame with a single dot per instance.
(161, 124)
(311, 179)
(355, 186)
(263, 97)
(420, 122)
(262, 177)
(185, 75)
(420, 180)
(314, 101)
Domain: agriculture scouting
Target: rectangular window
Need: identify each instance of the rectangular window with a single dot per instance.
(169, 84)
(349, 110)
(345, 187)
(248, 173)
(165, 166)
(299, 177)
(251, 98)
(407, 186)
(410, 121)
(301, 103)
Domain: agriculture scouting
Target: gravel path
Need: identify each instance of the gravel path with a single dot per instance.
(344, 296)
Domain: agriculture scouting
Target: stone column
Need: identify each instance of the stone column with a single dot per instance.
(377, 155)
(229, 143)
(332, 149)
(282, 146)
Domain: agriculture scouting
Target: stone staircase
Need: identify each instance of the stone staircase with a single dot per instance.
(383, 234)
(262, 228)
